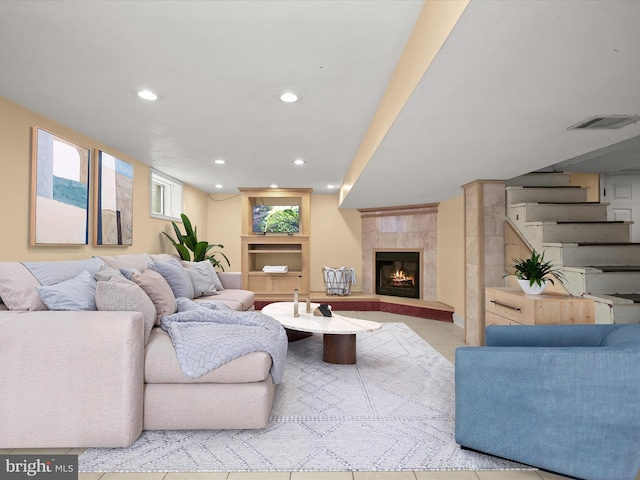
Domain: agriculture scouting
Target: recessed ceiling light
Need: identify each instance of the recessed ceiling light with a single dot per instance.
(218, 186)
(147, 95)
(273, 185)
(219, 161)
(330, 187)
(299, 161)
(289, 97)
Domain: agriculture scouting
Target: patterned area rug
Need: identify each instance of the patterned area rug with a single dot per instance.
(393, 410)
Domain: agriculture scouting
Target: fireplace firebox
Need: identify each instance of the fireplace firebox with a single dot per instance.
(398, 274)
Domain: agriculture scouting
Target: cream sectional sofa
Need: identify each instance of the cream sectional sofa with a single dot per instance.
(96, 378)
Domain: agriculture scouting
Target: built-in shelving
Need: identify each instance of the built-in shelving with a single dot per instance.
(260, 250)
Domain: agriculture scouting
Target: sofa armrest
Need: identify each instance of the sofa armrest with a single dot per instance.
(571, 410)
(231, 280)
(546, 335)
(71, 379)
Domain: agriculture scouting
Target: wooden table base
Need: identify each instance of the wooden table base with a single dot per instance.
(339, 348)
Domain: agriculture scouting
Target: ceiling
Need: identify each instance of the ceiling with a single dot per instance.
(495, 102)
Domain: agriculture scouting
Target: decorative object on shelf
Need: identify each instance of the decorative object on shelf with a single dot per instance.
(59, 191)
(114, 201)
(275, 268)
(534, 273)
(188, 242)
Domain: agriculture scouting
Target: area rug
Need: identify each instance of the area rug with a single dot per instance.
(392, 411)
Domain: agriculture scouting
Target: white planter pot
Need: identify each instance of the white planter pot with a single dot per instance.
(534, 289)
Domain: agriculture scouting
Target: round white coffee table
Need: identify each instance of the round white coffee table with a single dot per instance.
(339, 333)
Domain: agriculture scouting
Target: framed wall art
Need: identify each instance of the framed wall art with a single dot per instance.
(59, 191)
(114, 201)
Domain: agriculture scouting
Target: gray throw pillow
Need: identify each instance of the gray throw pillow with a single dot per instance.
(77, 293)
(216, 280)
(107, 273)
(121, 295)
(176, 277)
(202, 277)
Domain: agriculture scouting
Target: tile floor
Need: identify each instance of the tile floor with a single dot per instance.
(444, 337)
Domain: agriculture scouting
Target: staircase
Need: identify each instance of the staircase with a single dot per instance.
(597, 257)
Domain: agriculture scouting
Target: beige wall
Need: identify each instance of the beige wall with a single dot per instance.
(451, 256)
(590, 181)
(225, 227)
(336, 239)
(15, 191)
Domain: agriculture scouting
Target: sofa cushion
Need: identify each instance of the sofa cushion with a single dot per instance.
(77, 293)
(51, 273)
(122, 295)
(203, 277)
(236, 299)
(158, 290)
(161, 365)
(139, 261)
(176, 276)
(18, 287)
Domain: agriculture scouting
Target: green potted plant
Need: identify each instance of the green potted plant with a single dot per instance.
(188, 242)
(534, 273)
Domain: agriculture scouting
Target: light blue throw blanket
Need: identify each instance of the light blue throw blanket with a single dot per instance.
(206, 337)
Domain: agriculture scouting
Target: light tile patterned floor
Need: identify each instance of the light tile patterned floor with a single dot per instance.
(444, 337)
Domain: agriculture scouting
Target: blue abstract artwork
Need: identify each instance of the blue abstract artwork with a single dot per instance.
(60, 195)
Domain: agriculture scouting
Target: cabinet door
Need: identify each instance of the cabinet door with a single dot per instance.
(276, 283)
(491, 318)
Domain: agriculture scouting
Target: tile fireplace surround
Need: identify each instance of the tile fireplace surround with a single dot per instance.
(397, 229)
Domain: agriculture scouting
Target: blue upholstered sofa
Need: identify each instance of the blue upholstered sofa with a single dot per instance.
(564, 398)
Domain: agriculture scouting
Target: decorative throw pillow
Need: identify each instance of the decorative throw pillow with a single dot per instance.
(216, 280)
(107, 273)
(77, 293)
(18, 287)
(202, 277)
(122, 295)
(127, 272)
(158, 290)
(176, 277)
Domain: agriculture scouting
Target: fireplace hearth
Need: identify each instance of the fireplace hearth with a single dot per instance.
(398, 273)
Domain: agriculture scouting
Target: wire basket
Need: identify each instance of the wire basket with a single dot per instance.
(337, 281)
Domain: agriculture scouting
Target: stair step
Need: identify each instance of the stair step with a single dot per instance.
(541, 179)
(545, 194)
(558, 211)
(620, 268)
(593, 281)
(606, 253)
(567, 232)
(616, 309)
(634, 297)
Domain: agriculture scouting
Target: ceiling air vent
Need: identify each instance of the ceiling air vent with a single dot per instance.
(605, 122)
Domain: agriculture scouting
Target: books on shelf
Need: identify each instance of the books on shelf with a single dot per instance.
(275, 269)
